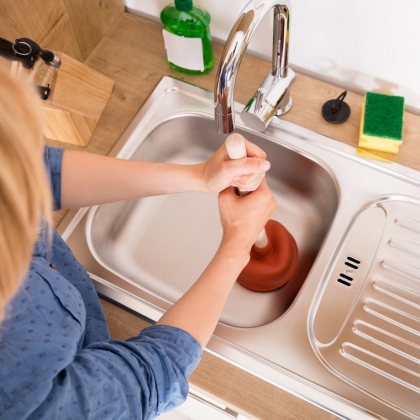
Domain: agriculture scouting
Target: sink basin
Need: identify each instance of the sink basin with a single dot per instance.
(343, 333)
(164, 243)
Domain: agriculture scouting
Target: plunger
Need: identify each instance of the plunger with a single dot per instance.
(274, 254)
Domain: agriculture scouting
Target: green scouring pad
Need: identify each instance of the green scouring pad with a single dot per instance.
(381, 125)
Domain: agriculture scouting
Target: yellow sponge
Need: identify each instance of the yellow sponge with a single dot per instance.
(381, 125)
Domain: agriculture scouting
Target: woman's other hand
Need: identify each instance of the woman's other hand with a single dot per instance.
(243, 218)
(219, 172)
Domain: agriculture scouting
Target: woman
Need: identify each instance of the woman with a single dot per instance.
(57, 359)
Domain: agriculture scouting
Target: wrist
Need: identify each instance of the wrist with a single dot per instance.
(235, 251)
(198, 177)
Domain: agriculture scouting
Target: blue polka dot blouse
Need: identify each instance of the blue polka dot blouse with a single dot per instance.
(57, 360)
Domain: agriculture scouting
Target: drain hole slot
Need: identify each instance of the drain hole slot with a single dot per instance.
(344, 282)
(345, 276)
(355, 267)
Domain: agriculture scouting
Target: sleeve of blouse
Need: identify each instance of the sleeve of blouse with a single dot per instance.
(139, 378)
(53, 157)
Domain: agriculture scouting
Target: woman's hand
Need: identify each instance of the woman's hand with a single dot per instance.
(243, 218)
(219, 172)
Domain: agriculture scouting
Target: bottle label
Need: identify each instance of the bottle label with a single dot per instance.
(184, 52)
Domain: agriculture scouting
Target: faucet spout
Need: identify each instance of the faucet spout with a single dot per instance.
(273, 96)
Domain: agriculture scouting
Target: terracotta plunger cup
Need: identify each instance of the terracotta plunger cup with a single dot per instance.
(274, 254)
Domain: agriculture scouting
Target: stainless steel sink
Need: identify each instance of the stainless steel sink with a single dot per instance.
(344, 333)
(162, 244)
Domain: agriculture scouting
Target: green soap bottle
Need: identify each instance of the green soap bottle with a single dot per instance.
(186, 32)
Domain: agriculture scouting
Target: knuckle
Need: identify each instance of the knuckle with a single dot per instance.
(250, 164)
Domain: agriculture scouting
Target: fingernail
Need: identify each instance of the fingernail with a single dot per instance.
(265, 165)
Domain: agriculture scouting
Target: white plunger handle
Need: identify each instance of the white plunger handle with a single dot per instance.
(235, 146)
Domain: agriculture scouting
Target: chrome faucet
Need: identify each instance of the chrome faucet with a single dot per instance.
(273, 96)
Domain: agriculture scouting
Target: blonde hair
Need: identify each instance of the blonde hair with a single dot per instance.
(24, 191)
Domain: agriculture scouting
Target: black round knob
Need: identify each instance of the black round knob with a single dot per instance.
(336, 111)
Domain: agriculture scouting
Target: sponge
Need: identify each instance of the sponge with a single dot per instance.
(381, 125)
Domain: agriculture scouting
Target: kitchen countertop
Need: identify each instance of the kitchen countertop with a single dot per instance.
(133, 55)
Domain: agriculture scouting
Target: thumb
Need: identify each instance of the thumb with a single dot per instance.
(248, 166)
